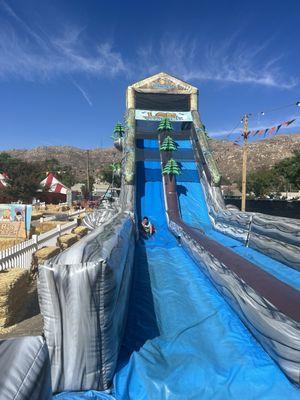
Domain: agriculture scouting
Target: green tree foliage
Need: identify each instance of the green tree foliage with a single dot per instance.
(119, 131)
(165, 125)
(289, 170)
(172, 168)
(169, 144)
(263, 182)
(116, 168)
(24, 177)
(286, 173)
(64, 173)
(107, 174)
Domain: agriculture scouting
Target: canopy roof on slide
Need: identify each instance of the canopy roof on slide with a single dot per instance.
(53, 184)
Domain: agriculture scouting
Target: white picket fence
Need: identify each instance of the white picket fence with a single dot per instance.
(20, 255)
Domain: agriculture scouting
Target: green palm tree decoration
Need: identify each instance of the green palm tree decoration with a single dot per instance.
(119, 131)
(165, 125)
(172, 168)
(116, 168)
(169, 144)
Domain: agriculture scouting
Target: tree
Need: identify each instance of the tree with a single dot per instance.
(172, 168)
(64, 173)
(165, 125)
(108, 174)
(289, 169)
(169, 144)
(276, 179)
(263, 182)
(119, 131)
(23, 178)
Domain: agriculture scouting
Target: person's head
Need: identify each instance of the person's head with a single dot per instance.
(145, 220)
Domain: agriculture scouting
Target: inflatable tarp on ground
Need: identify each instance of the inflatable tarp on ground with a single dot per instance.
(205, 308)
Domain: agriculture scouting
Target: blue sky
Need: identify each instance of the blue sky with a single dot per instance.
(65, 65)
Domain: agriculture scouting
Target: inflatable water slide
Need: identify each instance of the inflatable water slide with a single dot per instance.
(206, 308)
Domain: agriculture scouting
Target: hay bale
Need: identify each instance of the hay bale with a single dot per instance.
(43, 254)
(36, 215)
(18, 296)
(80, 231)
(64, 208)
(6, 243)
(47, 226)
(67, 240)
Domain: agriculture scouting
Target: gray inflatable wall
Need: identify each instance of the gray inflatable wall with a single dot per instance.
(25, 369)
(84, 306)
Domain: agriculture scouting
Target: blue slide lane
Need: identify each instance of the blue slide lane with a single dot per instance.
(194, 212)
(182, 340)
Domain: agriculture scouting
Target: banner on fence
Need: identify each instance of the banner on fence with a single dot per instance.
(15, 220)
(147, 115)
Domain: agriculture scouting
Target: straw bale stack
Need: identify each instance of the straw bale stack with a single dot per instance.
(47, 226)
(18, 296)
(36, 215)
(80, 231)
(43, 254)
(67, 240)
(6, 243)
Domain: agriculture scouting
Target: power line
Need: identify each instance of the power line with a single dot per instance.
(278, 108)
(262, 113)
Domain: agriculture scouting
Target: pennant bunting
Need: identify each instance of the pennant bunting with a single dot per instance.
(271, 130)
(290, 122)
(263, 132)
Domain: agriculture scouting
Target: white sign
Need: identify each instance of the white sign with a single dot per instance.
(147, 115)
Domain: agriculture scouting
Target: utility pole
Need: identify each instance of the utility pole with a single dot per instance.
(245, 155)
(88, 173)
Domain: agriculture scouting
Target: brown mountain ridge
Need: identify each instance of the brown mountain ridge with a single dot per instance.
(262, 154)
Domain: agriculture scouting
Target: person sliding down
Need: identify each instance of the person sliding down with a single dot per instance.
(148, 228)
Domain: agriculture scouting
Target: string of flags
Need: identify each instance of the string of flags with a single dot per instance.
(265, 131)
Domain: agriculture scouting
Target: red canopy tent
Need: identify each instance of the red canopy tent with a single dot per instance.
(55, 191)
(3, 180)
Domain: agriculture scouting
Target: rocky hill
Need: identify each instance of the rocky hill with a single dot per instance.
(71, 156)
(262, 154)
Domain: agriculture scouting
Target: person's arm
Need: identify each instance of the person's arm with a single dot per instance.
(150, 228)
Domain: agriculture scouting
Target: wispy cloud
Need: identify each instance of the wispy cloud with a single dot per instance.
(225, 62)
(28, 52)
(83, 92)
